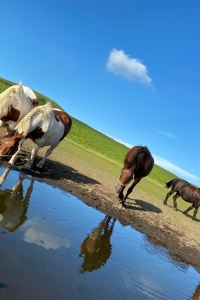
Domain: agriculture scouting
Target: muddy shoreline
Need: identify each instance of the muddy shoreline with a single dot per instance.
(144, 217)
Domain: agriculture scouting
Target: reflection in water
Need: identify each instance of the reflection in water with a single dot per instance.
(196, 295)
(13, 204)
(53, 224)
(96, 248)
(40, 233)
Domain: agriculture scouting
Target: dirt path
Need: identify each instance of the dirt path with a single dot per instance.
(181, 236)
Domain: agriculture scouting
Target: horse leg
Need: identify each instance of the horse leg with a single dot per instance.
(195, 212)
(34, 152)
(4, 175)
(174, 199)
(168, 195)
(121, 195)
(49, 151)
(188, 209)
(14, 157)
(136, 181)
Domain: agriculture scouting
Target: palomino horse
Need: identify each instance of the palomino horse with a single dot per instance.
(187, 192)
(96, 247)
(44, 125)
(138, 163)
(15, 103)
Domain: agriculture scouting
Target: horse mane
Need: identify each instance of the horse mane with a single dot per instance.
(46, 113)
(8, 97)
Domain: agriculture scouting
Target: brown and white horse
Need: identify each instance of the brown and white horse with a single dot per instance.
(138, 163)
(15, 103)
(44, 125)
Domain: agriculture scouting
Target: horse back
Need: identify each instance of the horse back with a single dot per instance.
(191, 194)
(140, 160)
(65, 119)
(179, 184)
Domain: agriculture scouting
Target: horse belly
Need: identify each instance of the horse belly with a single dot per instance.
(187, 196)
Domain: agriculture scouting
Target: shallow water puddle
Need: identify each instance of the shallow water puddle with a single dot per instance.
(53, 246)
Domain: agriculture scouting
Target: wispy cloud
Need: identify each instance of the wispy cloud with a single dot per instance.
(168, 165)
(122, 64)
(167, 134)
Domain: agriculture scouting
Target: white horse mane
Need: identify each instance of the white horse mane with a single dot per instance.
(9, 96)
(26, 123)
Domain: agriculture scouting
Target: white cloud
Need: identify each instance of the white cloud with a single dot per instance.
(168, 165)
(40, 234)
(167, 134)
(130, 68)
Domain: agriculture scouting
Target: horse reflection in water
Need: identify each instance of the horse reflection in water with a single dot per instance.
(96, 248)
(196, 295)
(13, 204)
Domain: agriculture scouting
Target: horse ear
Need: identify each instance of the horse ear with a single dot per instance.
(20, 83)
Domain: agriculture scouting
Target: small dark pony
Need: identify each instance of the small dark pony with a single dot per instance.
(187, 192)
(138, 163)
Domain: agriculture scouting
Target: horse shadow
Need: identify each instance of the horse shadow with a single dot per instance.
(186, 215)
(52, 170)
(138, 204)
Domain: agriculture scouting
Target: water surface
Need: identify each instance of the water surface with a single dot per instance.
(53, 246)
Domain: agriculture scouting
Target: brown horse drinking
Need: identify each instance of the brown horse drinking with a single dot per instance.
(187, 192)
(138, 163)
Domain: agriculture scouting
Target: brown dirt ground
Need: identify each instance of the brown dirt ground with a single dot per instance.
(181, 236)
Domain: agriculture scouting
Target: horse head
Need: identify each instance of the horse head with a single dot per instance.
(30, 95)
(125, 177)
(8, 145)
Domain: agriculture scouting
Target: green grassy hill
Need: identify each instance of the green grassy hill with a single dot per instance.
(93, 140)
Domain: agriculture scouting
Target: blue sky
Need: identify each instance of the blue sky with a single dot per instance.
(127, 68)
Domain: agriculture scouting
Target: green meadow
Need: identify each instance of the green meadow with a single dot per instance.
(101, 151)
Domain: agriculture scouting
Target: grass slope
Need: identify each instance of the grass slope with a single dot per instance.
(88, 138)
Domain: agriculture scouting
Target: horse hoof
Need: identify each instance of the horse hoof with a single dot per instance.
(122, 206)
(39, 165)
(26, 166)
(120, 196)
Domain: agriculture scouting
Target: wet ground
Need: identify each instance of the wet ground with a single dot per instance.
(54, 246)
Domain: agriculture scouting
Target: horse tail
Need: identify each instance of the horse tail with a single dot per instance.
(141, 157)
(169, 183)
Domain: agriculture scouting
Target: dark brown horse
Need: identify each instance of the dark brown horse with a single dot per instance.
(138, 163)
(187, 192)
